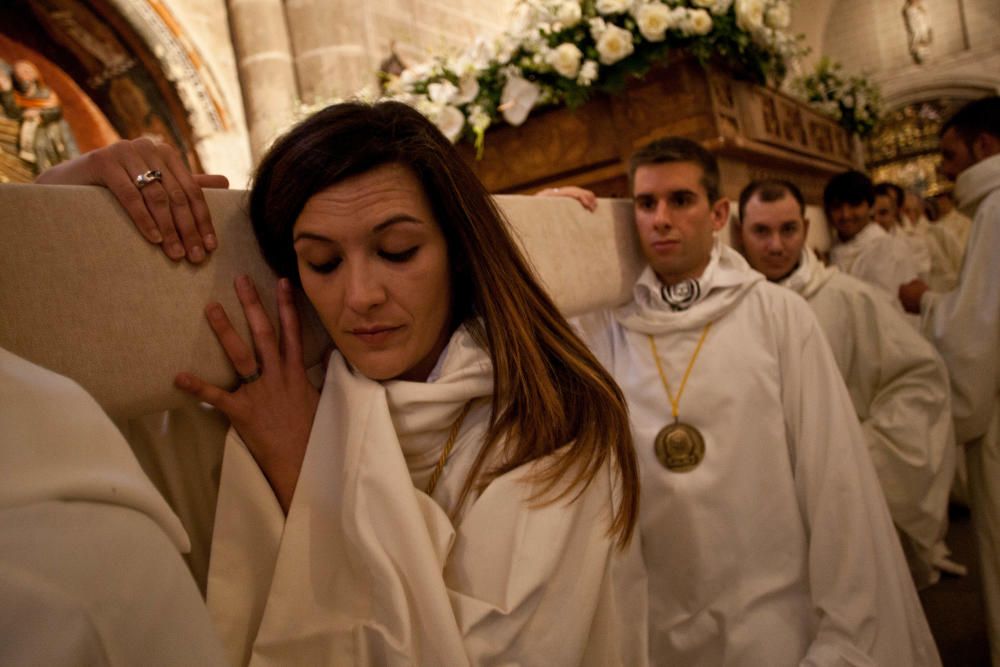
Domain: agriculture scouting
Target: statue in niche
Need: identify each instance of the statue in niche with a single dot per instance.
(918, 30)
(43, 136)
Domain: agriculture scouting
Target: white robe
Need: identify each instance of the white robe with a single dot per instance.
(937, 250)
(959, 225)
(369, 570)
(877, 258)
(899, 388)
(90, 569)
(778, 548)
(964, 325)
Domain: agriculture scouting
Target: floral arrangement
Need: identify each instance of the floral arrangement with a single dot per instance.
(557, 52)
(855, 101)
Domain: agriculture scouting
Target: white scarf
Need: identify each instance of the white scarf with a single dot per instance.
(358, 561)
(809, 276)
(973, 184)
(723, 283)
(423, 412)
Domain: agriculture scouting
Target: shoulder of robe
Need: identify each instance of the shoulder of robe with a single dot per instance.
(780, 300)
(853, 289)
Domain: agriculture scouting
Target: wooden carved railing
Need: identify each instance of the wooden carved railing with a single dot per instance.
(755, 132)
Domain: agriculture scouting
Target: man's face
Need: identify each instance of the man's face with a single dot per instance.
(773, 233)
(885, 212)
(913, 207)
(675, 220)
(849, 219)
(955, 155)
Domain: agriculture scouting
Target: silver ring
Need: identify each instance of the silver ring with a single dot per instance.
(252, 377)
(151, 176)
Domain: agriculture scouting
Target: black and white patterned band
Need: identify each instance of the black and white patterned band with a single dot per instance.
(682, 295)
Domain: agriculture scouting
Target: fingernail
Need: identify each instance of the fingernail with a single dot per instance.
(210, 241)
(197, 254)
(285, 284)
(155, 236)
(175, 250)
(243, 281)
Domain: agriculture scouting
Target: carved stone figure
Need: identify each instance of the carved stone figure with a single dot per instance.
(43, 137)
(918, 30)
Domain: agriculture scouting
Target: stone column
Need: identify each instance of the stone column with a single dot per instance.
(267, 75)
(330, 40)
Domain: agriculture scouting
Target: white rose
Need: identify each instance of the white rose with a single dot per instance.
(523, 18)
(407, 79)
(778, 17)
(606, 7)
(588, 73)
(442, 92)
(597, 27)
(568, 13)
(697, 22)
(468, 89)
(565, 59)
(506, 47)
(450, 121)
(518, 99)
(750, 14)
(614, 44)
(653, 21)
(720, 7)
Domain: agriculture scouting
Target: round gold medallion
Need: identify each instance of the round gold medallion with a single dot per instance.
(679, 447)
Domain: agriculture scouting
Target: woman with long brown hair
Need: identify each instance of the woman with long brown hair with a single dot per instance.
(462, 489)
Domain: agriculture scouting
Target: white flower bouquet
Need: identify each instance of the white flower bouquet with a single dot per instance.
(557, 52)
(854, 101)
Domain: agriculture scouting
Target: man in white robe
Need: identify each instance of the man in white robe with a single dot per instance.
(898, 383)
(90, 570)
(886, 212)
(764, 531)
(943, 247)
(864, 249)
(952, 219)
(964, 325)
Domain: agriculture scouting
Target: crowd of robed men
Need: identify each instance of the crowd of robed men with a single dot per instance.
(910, 312)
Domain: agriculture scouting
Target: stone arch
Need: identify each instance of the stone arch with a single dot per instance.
(139, 66)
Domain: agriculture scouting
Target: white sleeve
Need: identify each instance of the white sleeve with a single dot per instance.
(888, 265)
(907, 419)
(868, 609)
(964, 325)
(88, 583)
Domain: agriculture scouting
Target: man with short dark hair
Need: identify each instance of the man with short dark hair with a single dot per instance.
(898, 383)
(764, 531)
(865, 250)
(964, 325)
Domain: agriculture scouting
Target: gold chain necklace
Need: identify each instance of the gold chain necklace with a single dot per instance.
(448, 446)
(678, 446)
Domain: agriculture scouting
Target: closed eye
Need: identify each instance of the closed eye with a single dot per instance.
(399, 257)
(325, 267)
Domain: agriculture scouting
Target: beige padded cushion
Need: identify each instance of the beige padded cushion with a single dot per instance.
(83, 294)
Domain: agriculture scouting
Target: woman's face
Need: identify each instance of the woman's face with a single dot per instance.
(374, 263)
